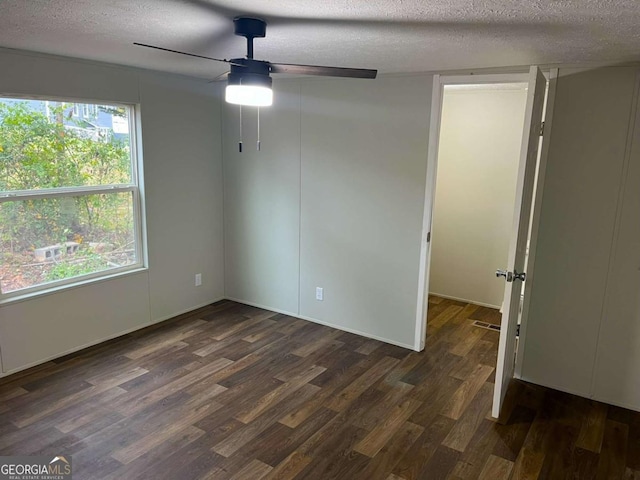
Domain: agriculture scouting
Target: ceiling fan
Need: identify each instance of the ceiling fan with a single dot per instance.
(249, 81)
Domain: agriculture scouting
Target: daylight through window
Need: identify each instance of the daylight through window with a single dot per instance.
(69, 196)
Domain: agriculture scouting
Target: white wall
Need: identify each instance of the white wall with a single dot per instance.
(479, 149)
(333, 200)
(580, 205)
(183, 189)
(617, 367)
(262, 202)
(364, 149)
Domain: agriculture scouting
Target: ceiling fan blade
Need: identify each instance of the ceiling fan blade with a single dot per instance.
(186, 53)
(322, 71)
(222, 76)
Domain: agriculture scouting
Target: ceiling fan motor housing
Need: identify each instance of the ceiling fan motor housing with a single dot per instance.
(249, 72)
(250, 27)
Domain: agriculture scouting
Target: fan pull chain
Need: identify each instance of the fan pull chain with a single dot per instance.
(240, 142)
(258, 143)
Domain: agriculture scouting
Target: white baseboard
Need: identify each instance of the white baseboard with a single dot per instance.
(321, 322)
(357, 332)
(75, 349)
(629, 406)
(264, 307)
(465, 300)
(182, 312)
(105, 339)
(196, 307)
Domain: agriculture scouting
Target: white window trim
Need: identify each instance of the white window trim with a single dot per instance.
(15, 195)
(88, 110)
(138, 213)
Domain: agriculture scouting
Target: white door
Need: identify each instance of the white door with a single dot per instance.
(519, 236)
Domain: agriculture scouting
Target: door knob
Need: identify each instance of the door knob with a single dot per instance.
(511, 276)
(519, 276)
(506, 274)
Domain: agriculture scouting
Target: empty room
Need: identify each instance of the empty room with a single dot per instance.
(296, 240)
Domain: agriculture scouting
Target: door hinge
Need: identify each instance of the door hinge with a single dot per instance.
(518, 330)
(428, 237)
(542, 129)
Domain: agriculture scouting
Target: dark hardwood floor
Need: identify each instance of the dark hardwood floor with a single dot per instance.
(235, 392)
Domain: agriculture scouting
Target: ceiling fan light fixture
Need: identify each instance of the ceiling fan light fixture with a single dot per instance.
(252, 88)
(249, 95)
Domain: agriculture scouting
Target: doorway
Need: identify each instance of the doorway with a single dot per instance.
(475, 187)
(516, 196)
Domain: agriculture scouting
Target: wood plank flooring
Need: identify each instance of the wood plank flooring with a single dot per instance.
(235, 392)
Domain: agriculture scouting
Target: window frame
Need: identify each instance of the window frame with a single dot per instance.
(89, 110)
(134, 187)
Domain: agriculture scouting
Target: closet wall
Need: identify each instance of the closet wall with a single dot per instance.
(583, 331)
(617, 367)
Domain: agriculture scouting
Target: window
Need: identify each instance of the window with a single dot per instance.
(69, 196)
(88, 110)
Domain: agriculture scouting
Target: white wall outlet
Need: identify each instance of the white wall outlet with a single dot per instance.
(198, 279)
(319, 293)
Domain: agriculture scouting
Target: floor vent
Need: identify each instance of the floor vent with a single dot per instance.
(488, 326)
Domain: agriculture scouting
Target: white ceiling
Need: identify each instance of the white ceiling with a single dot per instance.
(390, 35)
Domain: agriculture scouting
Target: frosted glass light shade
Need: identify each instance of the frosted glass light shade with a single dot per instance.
(252, 95)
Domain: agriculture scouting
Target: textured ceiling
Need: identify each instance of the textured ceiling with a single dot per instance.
(390, 35)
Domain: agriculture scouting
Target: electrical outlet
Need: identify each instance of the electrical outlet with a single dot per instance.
(319, 293)
(198, 279)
